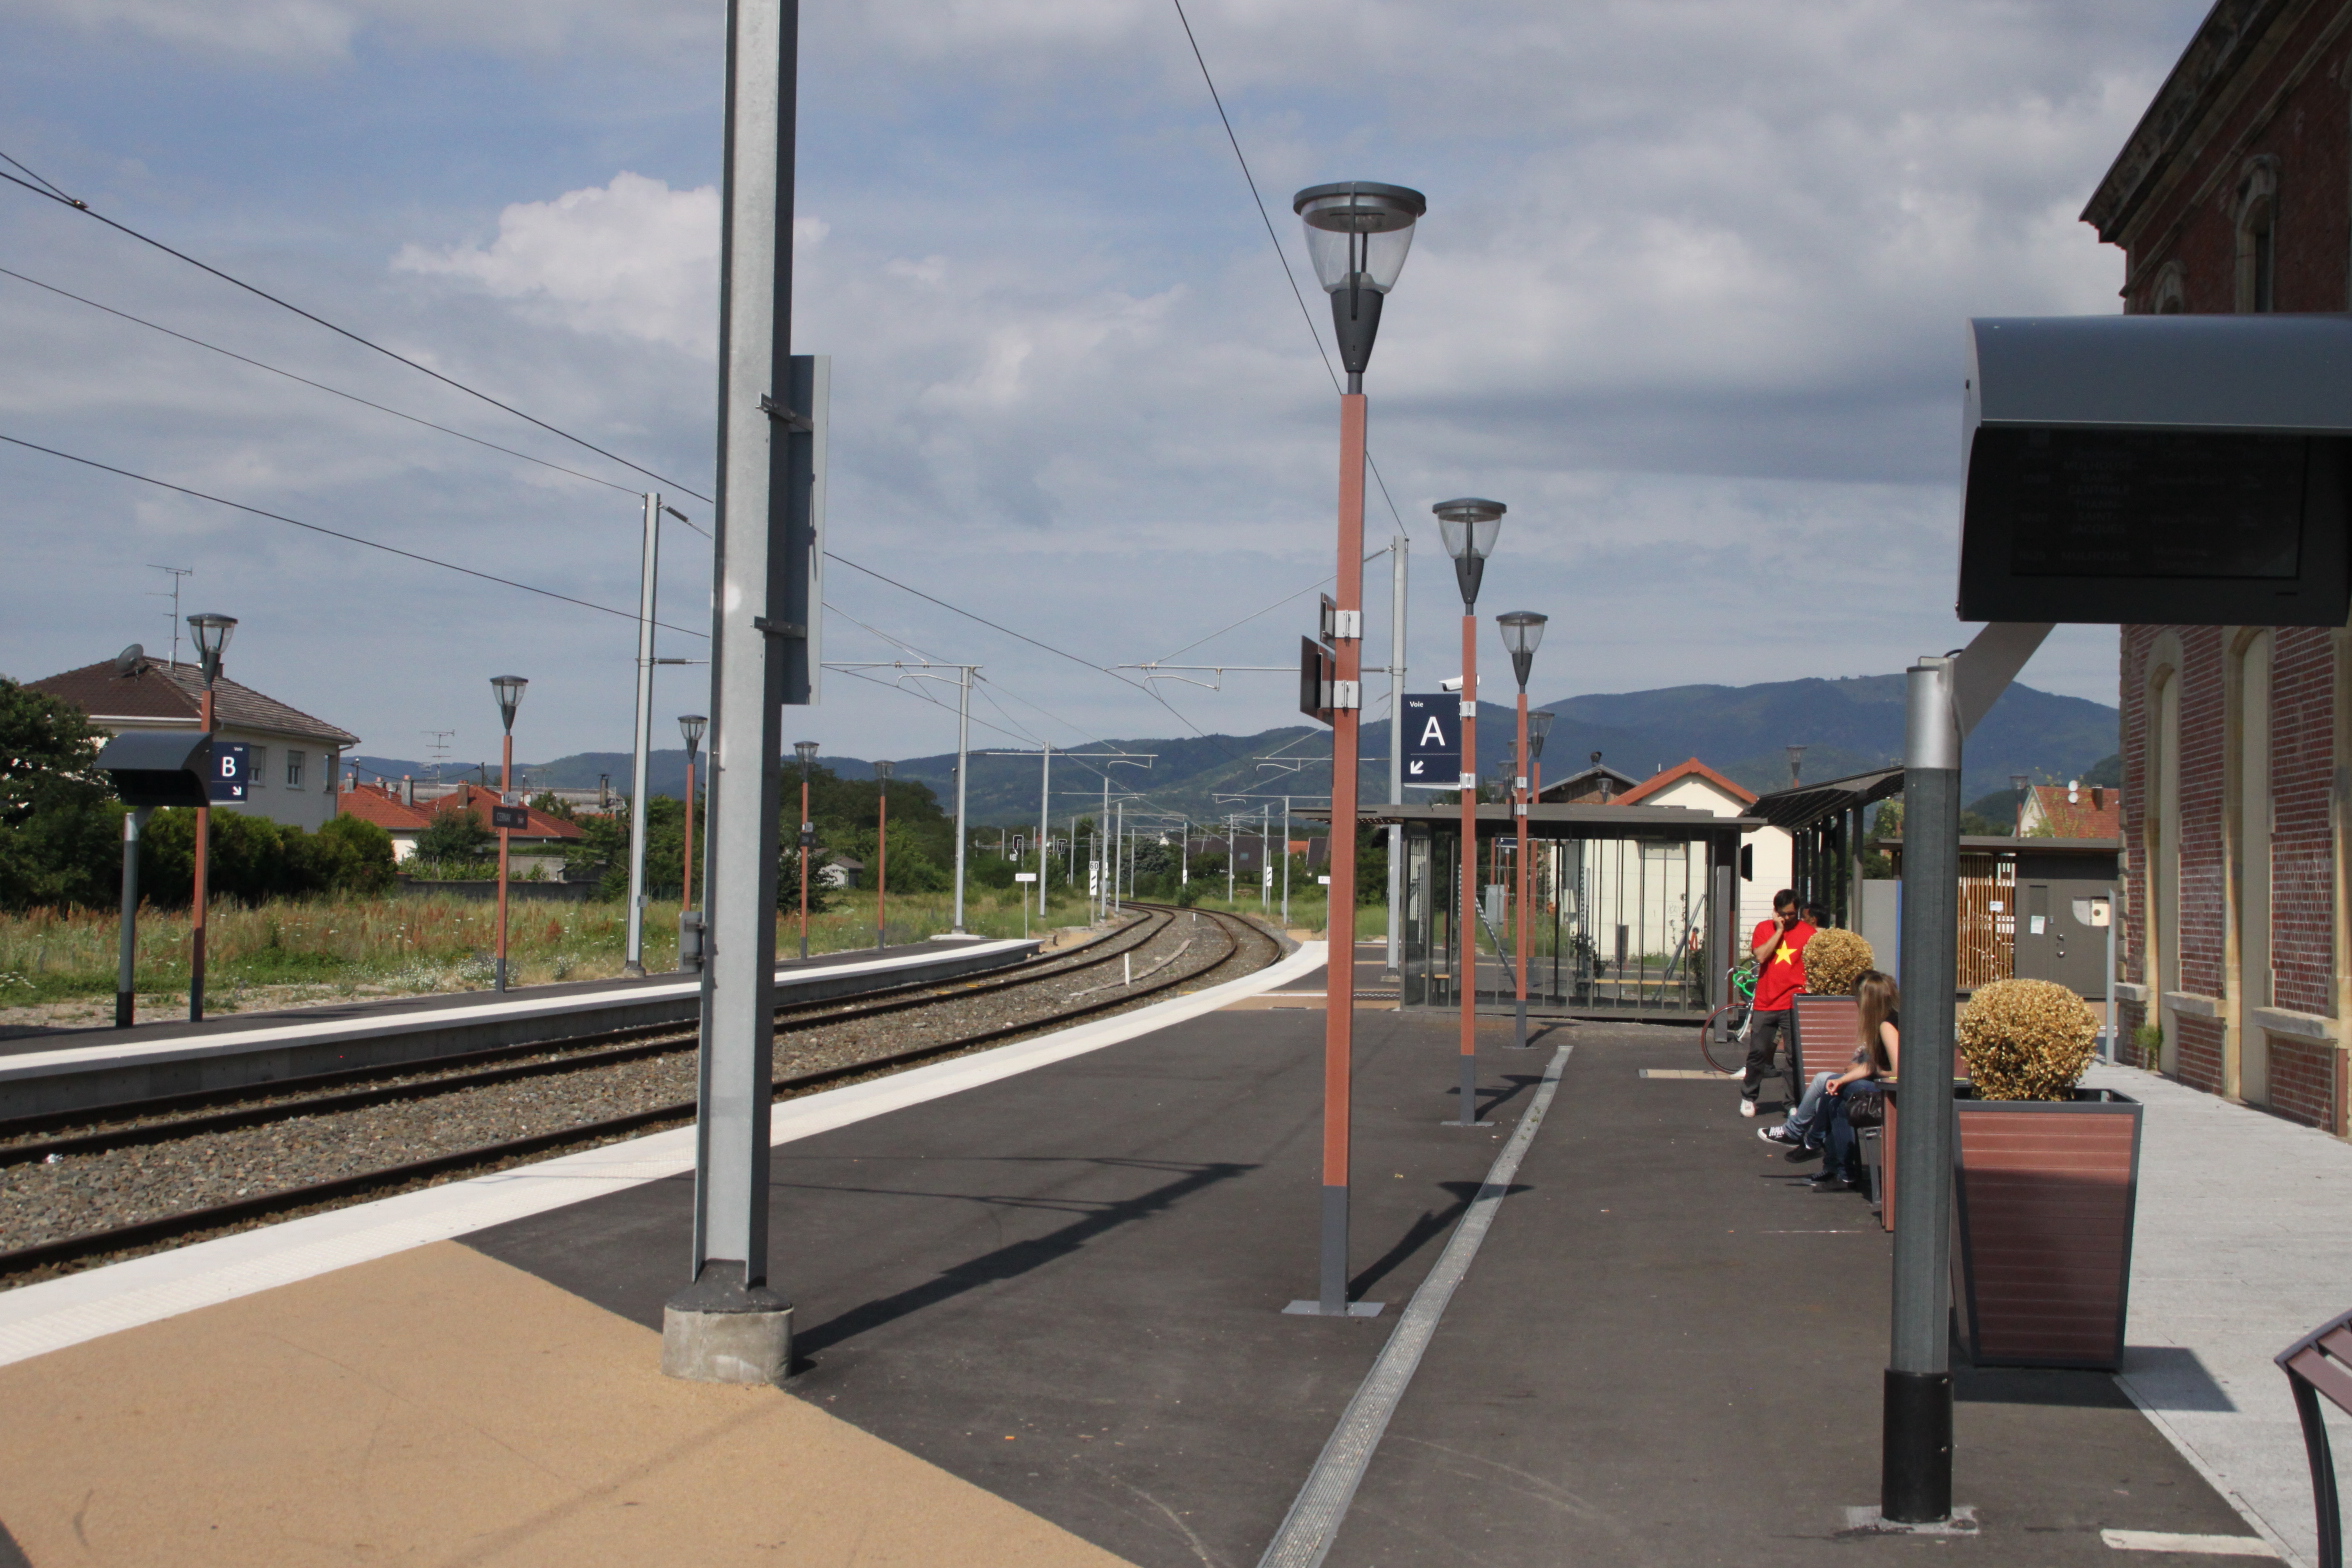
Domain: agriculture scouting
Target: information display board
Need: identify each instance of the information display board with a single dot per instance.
(1430, 726)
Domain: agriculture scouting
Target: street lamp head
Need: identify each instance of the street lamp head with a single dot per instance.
(1539, 724)
(509, 690)
(882, 772)
(1522, 634)
(1468, 525)
(1358, 232)
(692, 725)
(2018, 781)
(212, 640)
(806, 751)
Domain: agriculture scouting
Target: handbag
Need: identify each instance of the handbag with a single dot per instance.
(1866, 1109)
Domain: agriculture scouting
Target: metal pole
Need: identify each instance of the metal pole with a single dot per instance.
(1101, 893)
(1398, 549)
(728, 1326)
(1916, 1479)
(1044, 836)
(882, 867)
(808, 840)
(1468, 978)
(203, 891)
(2107, 1007)
(1519, 803)
(647, 575)
(1118, 854)
(686, 882)
(1265, 855)
(1339, 991)
(963, 767)
(126, 997)
(505, 838)
(1286, 862)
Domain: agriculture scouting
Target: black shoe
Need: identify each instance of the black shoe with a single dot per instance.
(1831, 1181)
(1801, 1154)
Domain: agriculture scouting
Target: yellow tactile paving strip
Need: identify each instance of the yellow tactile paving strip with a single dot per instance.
(439, 1408)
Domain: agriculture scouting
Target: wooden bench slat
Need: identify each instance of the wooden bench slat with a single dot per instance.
(2325, 1375)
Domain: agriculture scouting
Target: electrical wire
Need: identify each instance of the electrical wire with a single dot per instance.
(274, 370)
(49, 192)
(1280, 255)
(280, 517)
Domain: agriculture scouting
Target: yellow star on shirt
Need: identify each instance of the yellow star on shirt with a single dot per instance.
(1786, 955)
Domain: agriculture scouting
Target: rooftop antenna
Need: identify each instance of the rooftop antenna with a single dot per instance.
(437, 750)
(177, 572)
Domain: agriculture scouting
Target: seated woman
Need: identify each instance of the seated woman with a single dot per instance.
(1878, 1059)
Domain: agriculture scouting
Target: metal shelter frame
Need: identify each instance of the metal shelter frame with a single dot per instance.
(1826, 823)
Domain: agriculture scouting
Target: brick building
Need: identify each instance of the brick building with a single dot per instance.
(2232, 195)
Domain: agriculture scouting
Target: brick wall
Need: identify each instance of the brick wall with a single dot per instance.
(2197, 1053)
(2303, 1081)
(2203, 759)
(2302, 864)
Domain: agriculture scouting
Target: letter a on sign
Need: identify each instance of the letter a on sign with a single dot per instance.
(1431, 725)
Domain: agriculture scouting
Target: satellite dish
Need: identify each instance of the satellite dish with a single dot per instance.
(130, 661)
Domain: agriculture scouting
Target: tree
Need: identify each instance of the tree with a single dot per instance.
(454, 837)
(60, 830)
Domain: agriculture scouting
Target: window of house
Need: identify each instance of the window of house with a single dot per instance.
(257, 768)
(294, 769)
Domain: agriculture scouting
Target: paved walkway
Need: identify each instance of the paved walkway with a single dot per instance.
(2242, 1245)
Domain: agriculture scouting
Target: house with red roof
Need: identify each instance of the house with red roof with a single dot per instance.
(293, 760)
(1767, 855)
(542, 844)
(2071, 810)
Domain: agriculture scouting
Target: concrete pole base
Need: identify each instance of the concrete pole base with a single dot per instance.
(726, 1347)
(724, 1333)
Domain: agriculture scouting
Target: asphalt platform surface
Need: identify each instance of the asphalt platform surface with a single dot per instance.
(1065, 1287)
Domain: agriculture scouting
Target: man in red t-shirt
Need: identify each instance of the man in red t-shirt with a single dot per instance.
(1779, 946)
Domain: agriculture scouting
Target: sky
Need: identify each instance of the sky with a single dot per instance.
(1688, 298)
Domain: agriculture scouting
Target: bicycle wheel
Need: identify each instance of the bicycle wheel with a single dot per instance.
(1730, 1053)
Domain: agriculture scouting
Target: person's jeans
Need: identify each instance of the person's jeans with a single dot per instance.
(1804, 1123)
(1845, 1145)
(1766, 1031)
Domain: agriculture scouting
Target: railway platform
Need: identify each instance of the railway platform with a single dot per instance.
(1038, 1298)
(71, 1070)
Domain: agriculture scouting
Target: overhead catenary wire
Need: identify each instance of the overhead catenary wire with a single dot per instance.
(336, 533)
(245, 359)
(49, 192)
(1280, 255)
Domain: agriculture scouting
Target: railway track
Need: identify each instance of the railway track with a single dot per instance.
(1231, 944)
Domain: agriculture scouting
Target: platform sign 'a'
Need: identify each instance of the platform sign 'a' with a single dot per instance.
(1430, 726)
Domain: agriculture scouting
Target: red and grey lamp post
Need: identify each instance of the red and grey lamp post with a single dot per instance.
(882, 855)
(1469, 526)
(1522, 634)
(1358, 234)
(806, 750)
(509, 691)
(212, 641)
(691, 726)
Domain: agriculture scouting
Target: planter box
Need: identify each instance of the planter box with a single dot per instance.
(2045, 1192)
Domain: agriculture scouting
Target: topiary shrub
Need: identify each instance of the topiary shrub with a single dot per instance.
(1835, 961)
(2027, 1040)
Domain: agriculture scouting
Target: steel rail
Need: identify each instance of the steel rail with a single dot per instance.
(237, 1211)
(652, 1040)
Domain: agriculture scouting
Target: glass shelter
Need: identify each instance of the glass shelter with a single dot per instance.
(1624, 907)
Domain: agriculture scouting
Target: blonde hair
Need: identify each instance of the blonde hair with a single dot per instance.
(1881, 1000)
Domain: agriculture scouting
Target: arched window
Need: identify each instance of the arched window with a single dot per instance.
(2171, 295)
(2258, 236)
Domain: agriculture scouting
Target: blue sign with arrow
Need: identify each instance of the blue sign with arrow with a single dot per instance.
(1430, 728)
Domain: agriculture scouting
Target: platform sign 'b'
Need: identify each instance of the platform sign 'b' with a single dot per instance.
(1431, 727)
(231, 762)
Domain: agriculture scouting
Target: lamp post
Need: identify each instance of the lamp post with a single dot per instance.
(806, 751)
(212, 634)
(882, 856)
(1522, 634)
(509, 690)
(2020, 783)
(690, 725)
(1468, 526)
(1358, 234)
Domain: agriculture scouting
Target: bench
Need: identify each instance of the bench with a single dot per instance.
(2321, 1363)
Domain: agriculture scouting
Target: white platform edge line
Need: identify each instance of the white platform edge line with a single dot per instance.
(2213, 1478)
(29, 1064)
(2191, 1545)
(36, 1319)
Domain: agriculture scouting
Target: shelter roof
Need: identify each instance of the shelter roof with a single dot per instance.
(1799, 808)
(1560, 821)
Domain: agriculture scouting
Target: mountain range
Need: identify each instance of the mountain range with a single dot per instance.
(1847, 726)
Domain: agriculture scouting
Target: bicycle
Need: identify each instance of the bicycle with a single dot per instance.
(1729, 1054)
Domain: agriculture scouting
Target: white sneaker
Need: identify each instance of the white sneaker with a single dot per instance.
(1747, 1106)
